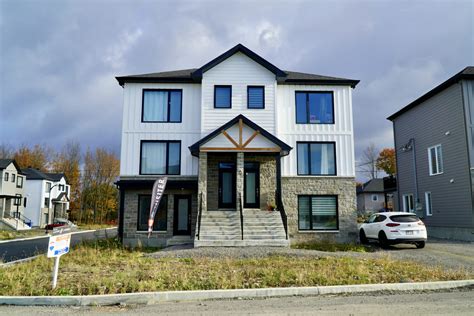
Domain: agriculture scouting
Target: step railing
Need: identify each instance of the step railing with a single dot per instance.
(20, 217)
(241, 208)
(280, 207)
(199, 215)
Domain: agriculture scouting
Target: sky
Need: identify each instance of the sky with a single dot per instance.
(58, 59)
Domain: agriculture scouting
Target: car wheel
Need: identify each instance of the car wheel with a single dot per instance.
(363, 237)
(420, 244)
(383, 241)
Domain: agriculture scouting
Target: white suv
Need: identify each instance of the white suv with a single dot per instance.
(391, 228)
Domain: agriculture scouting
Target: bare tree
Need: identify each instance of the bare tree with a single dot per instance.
(368, 162)
(6, 151)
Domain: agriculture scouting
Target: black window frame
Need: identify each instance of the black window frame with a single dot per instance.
(307, 106)
(61, 187)
(17, 180)
(310, 196)
(17, 199)
(139, 229)
(263, 97)
(13, 177)
(6, 176)
(47, 205)
(167, 156)
(230, 100)
(169, 106)
(309, 159)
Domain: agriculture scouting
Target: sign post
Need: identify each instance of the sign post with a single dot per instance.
(59, 244)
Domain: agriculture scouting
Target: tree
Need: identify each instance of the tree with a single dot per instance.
(6, 151)
(387, 161)
(36, 157)
(68, 161)
(368, 162)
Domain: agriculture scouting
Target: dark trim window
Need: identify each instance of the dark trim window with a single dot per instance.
(161, 216)
(13, 177)
(318, 212)
(19, 182)
(61, 187)
(222, 97)
(24, 201)
(160, 157)
(46, 202)
(316, 158)
(5, 177)
(314, 107)
(17, 200)
(162, 106)
(255, 97)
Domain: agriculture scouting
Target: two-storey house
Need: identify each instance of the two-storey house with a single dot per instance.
(12, 196)
(434, 141)
(254, 155)
(48, 196)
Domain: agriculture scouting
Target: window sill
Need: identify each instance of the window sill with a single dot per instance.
(154, 232)
(436, 174)
(317, 231)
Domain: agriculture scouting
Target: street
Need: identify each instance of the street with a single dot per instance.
(455, 302)
(15, 250)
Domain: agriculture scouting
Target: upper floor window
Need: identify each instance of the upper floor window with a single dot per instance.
(435, 158)
(19, 182)
(222, 97)
(61, 187)
(160, 157)
(5, 177)
(13, 177)
(316, 158)
(47, 187)
(375, 197)
(314, 107)
(161, 106)
(256, 97)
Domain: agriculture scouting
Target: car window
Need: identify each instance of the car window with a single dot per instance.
(404, 218)
(380, 218)
(372, 218)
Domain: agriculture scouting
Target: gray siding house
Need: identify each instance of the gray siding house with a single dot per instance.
(370, 196)
(435, 157)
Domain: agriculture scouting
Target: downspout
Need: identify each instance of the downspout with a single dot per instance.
(417, 198)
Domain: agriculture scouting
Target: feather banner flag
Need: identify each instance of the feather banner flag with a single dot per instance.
(157, 193)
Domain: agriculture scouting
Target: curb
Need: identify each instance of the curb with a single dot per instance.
(47, 235)
(157, 297)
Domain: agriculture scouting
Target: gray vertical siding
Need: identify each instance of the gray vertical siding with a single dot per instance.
(428, 123)
(468, 98)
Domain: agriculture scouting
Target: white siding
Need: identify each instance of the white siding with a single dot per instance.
(240, 72)
(341, 132)
(34, 202)
(133, 130)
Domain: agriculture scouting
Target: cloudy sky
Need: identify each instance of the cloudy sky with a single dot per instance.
(58, 59)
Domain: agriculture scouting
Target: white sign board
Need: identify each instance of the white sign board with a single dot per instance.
(58, 245)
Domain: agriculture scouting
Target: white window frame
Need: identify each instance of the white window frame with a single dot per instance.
(439, 160)
(376, 198)
(405, 206)
(429, 206)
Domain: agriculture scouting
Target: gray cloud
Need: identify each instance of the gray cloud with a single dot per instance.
(58, 59)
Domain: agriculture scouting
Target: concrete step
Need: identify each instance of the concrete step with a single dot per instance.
(220, 237)
(242, 243)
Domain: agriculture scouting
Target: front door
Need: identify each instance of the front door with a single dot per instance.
(182, 215)
(226, 185)
(251, 185)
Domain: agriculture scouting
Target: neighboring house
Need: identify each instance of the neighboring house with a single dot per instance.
(370, 196)
(434, 138)
(48, 196)
(12, 196)
(235, 138)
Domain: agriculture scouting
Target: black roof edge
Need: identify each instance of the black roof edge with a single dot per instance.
(239, 48)
(194, 148)
(16, 166)
(454, 79)
(122, 79)
(337, 82)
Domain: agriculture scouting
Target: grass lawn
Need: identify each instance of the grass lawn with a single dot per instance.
(332, 247)
(11, 234)
(105, 267)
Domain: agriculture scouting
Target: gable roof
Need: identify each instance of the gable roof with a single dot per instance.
(194, 75)
(466, 73)
(35, 174)
(4, 163)
(285, 148)
(372, 186)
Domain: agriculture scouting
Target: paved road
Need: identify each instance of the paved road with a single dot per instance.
(434, 303)
(15, 250)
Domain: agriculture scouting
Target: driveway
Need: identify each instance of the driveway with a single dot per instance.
(15, 250)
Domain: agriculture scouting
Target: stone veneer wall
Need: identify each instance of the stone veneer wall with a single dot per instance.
(158, 239)
(344, 188)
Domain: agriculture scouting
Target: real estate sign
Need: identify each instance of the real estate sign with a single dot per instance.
(58, 245)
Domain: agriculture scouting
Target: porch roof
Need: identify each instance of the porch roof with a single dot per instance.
(240, 145)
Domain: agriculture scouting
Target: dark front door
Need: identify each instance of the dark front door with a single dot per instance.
(182, 215)
(251, 185)
(226, 185)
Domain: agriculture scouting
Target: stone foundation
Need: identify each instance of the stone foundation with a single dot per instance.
(345, 190)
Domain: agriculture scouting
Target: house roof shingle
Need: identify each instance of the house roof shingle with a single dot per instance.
(466, 73)
(194, 75)
(5, 162)
(35, 174)
(372, 186)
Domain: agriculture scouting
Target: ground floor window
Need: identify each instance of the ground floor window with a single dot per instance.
(408, 204)
(161, 216)
(317, 212)
(429, 210)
